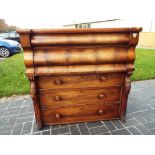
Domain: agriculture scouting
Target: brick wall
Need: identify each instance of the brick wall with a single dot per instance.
(147, 39)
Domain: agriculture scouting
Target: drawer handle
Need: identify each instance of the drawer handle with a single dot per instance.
(58, 116)
(58, 81)
(103, 78)
(101, 112)
(57, 98)
(101, 96)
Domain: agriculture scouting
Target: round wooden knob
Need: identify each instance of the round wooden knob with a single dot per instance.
(58, 116)
(103, 78)
(101, 96)
(57, 98)
(58, 81)
(100, 112)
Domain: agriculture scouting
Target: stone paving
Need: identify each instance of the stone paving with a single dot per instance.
(17, 117)
(1, 59)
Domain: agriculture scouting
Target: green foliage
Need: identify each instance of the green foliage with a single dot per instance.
(144, 65)
(4, 27)
(12, 76)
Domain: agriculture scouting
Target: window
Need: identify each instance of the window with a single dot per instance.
(82, 26)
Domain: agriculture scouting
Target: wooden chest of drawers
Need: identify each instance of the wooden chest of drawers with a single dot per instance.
(79, 75)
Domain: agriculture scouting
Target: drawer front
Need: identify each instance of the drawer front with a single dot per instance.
(80, 81)
(80, 113)
(80, 96)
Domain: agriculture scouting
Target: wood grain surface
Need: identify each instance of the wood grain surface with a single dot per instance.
(80, 81)
(79, 75)
(80, 96)
(79, 113)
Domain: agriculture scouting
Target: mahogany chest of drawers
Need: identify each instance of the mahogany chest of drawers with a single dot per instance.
(79, 75)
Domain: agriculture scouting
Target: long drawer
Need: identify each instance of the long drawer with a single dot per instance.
(80, 96)
(80, 113)
(80, 81)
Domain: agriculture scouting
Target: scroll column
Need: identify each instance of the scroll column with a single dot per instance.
(125, 93)
(34, 95)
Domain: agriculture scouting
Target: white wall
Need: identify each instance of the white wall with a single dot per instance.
(146, 24)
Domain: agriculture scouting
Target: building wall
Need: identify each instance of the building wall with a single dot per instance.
(69, 27)
(147, 24)
(108, 24)
(147, 39)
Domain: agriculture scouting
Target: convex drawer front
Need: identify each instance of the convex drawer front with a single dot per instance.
(80, 113)
(80, 81)
(80, 96)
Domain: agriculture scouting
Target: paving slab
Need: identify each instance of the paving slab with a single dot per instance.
(17, 116)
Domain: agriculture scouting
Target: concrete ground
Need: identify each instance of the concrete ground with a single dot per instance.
(1, 59)
(17, 117)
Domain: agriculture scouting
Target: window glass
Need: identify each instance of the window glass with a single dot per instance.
(12, 35)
